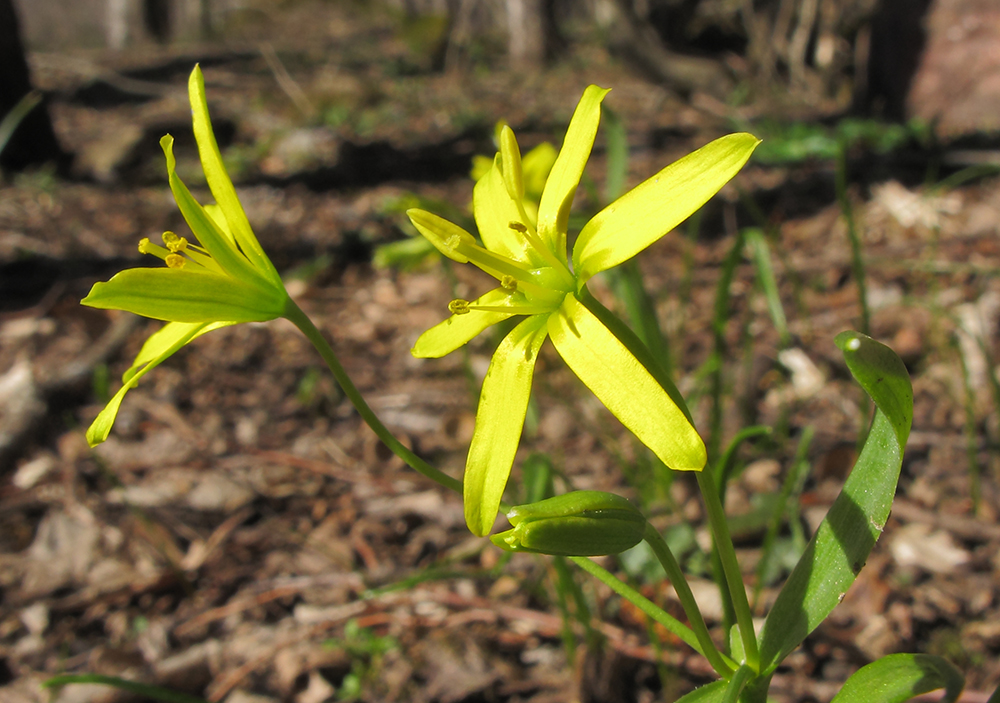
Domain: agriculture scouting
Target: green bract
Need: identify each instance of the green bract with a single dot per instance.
(537, 281)
(224, 279)
(581, 523)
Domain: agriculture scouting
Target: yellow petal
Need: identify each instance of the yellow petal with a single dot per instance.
(167, 337)
(444, 235)
(625, 387)
(557, 197)
(447, 336)
(495, 209)
(499, 420)
(182, 295)
(164, 343)
(203, 226)
(656, 206)
(219, 182)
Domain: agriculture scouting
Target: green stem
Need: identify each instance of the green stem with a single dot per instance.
(676, 577)
(673, 625)
(298, 318)
(731, 567)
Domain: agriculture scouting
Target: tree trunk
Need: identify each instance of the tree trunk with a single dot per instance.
(34, 141)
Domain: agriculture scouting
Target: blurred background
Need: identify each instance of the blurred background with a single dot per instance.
(242, 537)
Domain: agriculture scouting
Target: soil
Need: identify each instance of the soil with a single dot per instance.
(242, 536)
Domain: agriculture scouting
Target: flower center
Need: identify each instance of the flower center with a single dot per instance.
(179, 253)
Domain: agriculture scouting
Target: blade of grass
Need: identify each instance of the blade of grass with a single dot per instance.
(157, 693)
(761, 254)
(790, 490)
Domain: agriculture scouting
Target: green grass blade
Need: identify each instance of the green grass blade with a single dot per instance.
(857, 259)
(838, 550)
(156, 693)
(13, 118)
(761, 253)
(899, 677)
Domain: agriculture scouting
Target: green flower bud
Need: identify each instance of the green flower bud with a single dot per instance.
(582, 524)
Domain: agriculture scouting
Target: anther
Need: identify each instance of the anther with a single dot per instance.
(508, 283)
(144, 244)
(459, 307)
(517, 226)
(173, 242)
(175, 261)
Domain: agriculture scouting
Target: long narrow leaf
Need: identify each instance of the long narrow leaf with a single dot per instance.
(156, 693)
(899, 677)
(841, 545)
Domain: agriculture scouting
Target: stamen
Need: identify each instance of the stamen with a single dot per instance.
(508, 283)
(145, 246)
(174, 243)
(175, 261)
(459, 307)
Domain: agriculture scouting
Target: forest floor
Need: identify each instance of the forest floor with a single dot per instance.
(242, 536)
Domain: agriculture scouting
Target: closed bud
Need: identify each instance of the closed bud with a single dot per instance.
(581, 523)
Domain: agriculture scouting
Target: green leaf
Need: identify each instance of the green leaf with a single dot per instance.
(145, 690)
(503, 403)
(841, 545)
(899, 677)
(658, 205)
(883, 376)
(625, 386)
(714, 692)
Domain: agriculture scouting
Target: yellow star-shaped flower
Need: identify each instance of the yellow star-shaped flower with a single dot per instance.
(539, 283)
(224, 279)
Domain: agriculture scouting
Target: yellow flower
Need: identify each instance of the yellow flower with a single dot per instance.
(224, 279)
(529, 260)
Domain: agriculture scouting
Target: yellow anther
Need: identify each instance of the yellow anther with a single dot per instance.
(144, 245)
(517, 226)
(508, 283)
(175, 261)
(173, 242)
(459, 307)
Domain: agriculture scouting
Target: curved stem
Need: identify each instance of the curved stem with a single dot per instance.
(731, 567)
(294, 314)
(676, 577)
(725, 665)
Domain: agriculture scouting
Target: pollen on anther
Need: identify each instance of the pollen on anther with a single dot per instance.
(517, 226)
(508, 283)
(173, 242)
(459, 307)
(175, 261)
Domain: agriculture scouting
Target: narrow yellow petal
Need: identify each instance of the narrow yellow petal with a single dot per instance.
(164, 343)
(219, 182)
(168, 337)
(557, 197)
(625, 387)
(457, 330)
(495, 209)
(444, 235)
(503, 403)
(510, 156)
(656, 206)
